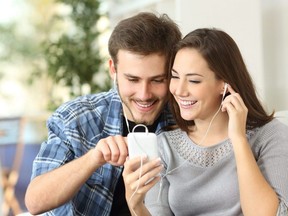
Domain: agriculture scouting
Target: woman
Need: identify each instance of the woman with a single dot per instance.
(227, 156)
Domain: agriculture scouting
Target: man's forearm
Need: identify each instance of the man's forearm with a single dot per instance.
(53, 189)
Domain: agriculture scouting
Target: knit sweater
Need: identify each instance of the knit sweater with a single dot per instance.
(199, 180)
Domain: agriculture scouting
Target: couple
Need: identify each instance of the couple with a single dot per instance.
(224, 156)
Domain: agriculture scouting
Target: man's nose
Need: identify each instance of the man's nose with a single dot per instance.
(145, 91)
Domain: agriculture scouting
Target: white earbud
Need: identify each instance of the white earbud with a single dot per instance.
(225, 90)
(114, 79)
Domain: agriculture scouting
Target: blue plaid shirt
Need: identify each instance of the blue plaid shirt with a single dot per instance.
(74, 129)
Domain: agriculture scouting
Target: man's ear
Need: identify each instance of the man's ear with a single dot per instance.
(112, 70)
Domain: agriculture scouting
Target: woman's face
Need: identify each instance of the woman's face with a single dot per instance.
(194, 86)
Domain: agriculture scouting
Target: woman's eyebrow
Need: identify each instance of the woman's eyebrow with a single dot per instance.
(189, 74)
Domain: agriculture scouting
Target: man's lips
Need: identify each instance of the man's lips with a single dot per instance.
(145, 105)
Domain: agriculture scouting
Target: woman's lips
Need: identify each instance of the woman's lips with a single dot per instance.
(187, 103)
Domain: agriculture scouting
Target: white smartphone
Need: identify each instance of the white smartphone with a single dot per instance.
(142, 143)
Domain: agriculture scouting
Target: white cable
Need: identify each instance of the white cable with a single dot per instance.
(225, 89)
(158, 199)
(125, 115)
(141, 164)
(200, 143)
(223, 96)
(138, 184)
(128, 128)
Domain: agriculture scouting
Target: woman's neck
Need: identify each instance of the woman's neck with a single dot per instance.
(210, 131)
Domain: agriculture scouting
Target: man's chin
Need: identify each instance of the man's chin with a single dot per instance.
(147, 118)
(145, 121)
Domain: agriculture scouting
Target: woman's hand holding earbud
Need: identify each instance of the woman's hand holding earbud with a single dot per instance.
(140, 175)
(254, 190)
(237, 112)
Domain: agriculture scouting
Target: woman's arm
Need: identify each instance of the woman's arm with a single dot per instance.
(257, 197)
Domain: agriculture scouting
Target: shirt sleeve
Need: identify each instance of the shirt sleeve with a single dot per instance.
(55, 151)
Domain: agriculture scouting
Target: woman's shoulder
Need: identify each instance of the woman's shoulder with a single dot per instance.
(275, 127)
(172, 133)
(271, 134)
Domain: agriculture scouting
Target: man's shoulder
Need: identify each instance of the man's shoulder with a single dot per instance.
(87, 107)
(88, 103)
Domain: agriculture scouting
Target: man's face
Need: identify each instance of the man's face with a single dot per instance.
(142, 85)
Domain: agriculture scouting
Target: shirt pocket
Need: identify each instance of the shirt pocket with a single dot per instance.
(97, 177)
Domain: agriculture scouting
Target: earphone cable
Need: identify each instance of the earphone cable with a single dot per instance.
(138, 184)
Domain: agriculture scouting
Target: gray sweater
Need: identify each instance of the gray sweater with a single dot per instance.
(203, 180)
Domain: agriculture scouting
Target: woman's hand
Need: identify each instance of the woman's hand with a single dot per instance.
(237, 112)
(140, 175)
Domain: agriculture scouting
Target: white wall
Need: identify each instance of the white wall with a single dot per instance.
(241, 19)
(259, 27)
(275, 52)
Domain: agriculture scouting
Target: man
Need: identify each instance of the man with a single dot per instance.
(78, 170)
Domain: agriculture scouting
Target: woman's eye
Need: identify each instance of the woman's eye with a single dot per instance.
(194, 81)
(174, 77)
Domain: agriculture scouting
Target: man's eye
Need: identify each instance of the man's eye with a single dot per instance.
(159, 80)
(132, 80)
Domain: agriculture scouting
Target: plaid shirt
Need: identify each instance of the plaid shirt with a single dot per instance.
(74, 129)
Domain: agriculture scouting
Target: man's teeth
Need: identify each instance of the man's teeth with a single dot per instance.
(145, 105)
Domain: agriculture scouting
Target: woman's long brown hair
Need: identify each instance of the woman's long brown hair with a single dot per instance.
(224, 58)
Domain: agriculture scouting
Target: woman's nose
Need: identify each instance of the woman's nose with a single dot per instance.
(181, 89)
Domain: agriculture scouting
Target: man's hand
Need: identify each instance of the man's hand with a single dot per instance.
(112, 149)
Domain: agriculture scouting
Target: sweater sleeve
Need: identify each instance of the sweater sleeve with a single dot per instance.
(271, 152)
(156, 199)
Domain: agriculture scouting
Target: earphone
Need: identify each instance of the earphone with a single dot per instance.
(200, 143)
(224, 93)
(225, 90)
(225, 87)
(114, 79)
(116, 87)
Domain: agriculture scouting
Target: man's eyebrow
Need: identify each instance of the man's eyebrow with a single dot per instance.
(153, 77)
(160, 76)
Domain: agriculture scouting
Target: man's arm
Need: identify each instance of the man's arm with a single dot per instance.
(50, 190)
